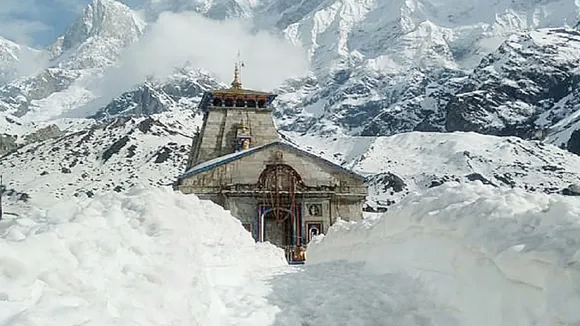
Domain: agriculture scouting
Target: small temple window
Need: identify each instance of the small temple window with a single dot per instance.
(229, 102)
(251, 103)
(217, 102)
(261, 103)
(240, 103)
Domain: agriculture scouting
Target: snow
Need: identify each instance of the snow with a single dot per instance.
(73, 164)
(457, 254)
(422, 157)
(146, 257)
(496, 257)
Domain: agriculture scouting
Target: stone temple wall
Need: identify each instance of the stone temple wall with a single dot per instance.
(246, 170)
(219, 131)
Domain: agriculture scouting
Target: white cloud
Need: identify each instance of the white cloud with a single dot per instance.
(175, 39)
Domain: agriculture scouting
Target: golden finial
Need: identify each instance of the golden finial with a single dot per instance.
(237, 84)
(244, 126)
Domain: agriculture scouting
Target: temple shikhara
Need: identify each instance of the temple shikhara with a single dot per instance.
(281, 194)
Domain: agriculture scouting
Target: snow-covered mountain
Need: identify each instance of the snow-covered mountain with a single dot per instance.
(77, 59)
(100, 34)
(383, 67)
(18, 60)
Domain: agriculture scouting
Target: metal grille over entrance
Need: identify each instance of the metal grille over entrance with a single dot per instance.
(279, 217)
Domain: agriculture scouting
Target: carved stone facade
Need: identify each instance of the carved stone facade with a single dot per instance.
(280, 193)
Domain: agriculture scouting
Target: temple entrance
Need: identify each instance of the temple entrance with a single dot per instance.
(280, 217)
(278, 231)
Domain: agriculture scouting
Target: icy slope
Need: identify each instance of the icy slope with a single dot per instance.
(147, 257)
(497, 257)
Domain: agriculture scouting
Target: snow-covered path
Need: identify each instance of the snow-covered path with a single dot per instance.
(343, 293)
(334, 293)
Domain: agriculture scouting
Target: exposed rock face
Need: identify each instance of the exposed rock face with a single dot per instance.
(511, 88)
(7, 144)
(574, 142)
(182, 91)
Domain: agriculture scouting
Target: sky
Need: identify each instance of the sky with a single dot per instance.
(39, 22)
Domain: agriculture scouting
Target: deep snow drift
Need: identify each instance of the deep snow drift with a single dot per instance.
(146, 257)
(455, 255)
(496, 256)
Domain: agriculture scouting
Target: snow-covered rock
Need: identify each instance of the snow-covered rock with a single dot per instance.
(523, 81)
(97, 38)
(181, 91)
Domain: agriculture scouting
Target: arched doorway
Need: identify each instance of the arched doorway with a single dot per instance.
(279, 210)
(278, 228)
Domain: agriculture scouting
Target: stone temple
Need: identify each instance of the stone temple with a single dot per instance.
(280, 193)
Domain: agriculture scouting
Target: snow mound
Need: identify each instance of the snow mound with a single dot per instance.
(146, 257)
(497, 256)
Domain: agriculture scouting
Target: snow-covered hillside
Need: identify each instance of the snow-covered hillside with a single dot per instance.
(415, 161)
(111, 156)
(114, 155)
(494, 257)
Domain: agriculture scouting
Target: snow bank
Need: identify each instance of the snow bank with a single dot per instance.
(498, 256)
(147, 257)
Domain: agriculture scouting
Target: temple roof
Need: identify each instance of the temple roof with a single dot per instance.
(240, 91)
(208, 165)
(235, 91)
